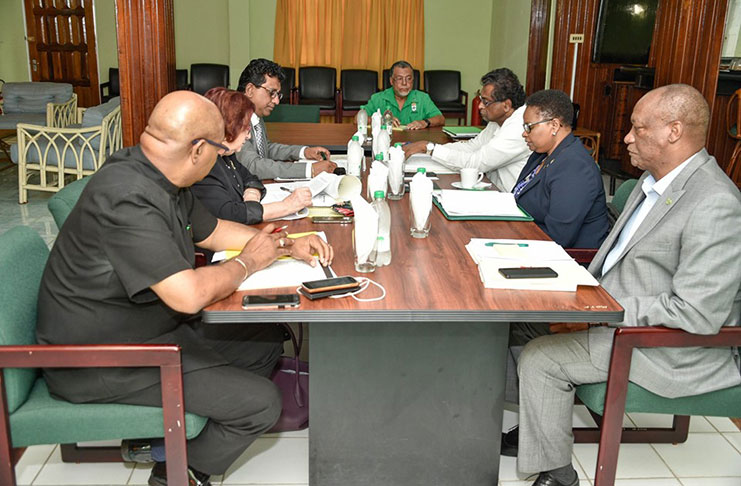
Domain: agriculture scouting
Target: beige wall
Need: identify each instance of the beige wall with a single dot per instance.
(510, 30)
(13, 54)
(472, 36)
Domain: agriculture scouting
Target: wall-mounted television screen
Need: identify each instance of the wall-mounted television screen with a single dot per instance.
(625, 29)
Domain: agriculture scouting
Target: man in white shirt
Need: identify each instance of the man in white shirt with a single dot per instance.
(260, 82)
(499, 150)
(672, 259)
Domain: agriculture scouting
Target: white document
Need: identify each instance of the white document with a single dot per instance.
(520, 250)
(479, 203)
(423, 160)
(286, 271)
(283, 273)
(570, 275)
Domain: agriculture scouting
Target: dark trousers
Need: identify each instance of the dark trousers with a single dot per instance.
(239, 400)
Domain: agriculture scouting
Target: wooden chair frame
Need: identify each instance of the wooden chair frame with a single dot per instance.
(165, 357)
(626, 339)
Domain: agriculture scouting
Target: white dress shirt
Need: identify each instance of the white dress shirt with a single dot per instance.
(653, 190)
(500, 151)
(254, 119)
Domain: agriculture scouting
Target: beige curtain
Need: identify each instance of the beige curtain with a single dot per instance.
(349, 34)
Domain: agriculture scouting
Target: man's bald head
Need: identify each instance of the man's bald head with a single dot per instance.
(683, 103)
(181, 117)
(670, 124)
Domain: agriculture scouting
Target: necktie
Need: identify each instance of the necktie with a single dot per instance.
(260, 140)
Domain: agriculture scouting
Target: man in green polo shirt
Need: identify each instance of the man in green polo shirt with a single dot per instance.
(409, 107)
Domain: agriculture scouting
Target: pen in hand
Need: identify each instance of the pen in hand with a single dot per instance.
(278, 230)
(283, 188)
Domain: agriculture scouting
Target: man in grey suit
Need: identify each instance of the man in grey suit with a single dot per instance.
(672, 259)
(260, 81)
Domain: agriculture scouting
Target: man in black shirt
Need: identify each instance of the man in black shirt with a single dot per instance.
(122, 271)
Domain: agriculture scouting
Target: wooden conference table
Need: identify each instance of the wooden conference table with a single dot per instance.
(409, 390)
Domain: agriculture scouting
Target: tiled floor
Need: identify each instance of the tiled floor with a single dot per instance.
(710, 457)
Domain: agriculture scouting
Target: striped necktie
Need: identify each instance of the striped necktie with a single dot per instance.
(260, 140)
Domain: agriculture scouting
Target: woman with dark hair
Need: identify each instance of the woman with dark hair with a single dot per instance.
(230, 191)
(560, 185)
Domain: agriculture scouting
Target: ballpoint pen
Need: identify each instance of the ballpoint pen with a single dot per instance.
(283, 188)
(492, 243)
(278, 230)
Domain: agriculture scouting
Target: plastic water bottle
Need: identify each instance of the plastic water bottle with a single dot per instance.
(383, 243)
(355, 157)
(388, 120)
(363, 122)
(383, 143)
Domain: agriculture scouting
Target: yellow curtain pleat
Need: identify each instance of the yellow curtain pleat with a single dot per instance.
(349, 34)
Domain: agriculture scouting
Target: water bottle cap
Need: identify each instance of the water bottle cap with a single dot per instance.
(355, 138)
(383, 127)
(397, 144)
(379, 157)
(421, 169)
(379, 195)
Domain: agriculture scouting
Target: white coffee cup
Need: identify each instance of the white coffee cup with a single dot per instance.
(470, 176)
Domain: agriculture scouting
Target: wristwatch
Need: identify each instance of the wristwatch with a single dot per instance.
(430, 147)
(427, 123)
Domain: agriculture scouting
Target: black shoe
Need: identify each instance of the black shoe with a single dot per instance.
(510, 442)
(159, 476)
(545, 479)
(136, 451)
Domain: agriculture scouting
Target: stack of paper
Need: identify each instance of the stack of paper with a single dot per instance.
(479, 203)
(422, 160)
(493, 254)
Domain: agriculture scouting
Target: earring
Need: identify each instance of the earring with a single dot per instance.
(553, 133)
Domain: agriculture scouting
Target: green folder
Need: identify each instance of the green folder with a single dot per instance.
(525, 216)
(461, 132)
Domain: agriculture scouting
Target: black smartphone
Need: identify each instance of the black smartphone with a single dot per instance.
(279, 301)
(322, 295)
(327, 284)
(528, 272)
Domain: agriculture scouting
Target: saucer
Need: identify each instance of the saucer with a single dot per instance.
(479, 186)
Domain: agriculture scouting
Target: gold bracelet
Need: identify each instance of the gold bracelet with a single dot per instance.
(246, 272)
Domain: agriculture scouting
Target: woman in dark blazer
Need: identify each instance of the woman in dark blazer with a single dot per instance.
(560, 185)
(230, 191)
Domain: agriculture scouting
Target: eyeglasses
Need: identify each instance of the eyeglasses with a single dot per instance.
(486, 103)
(529, 126)
(274, 93)
(405, 79)
(211, 142)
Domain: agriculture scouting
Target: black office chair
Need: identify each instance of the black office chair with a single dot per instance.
(288, 86)
(577, 109)
(203, 77)
(112, 86)
(318, 86)
(356, 88)
(181, 79)
(387, 83)
(444, 87)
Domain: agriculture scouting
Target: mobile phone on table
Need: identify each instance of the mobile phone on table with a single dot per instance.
(329, 284)
(278, 301)
(528, 272)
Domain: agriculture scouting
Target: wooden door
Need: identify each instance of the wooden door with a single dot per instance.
(61, 45)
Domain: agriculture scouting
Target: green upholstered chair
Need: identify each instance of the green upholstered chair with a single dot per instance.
(62, 202)
(29, 415)
(617, 396)
(616, 206)
(294, 113)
